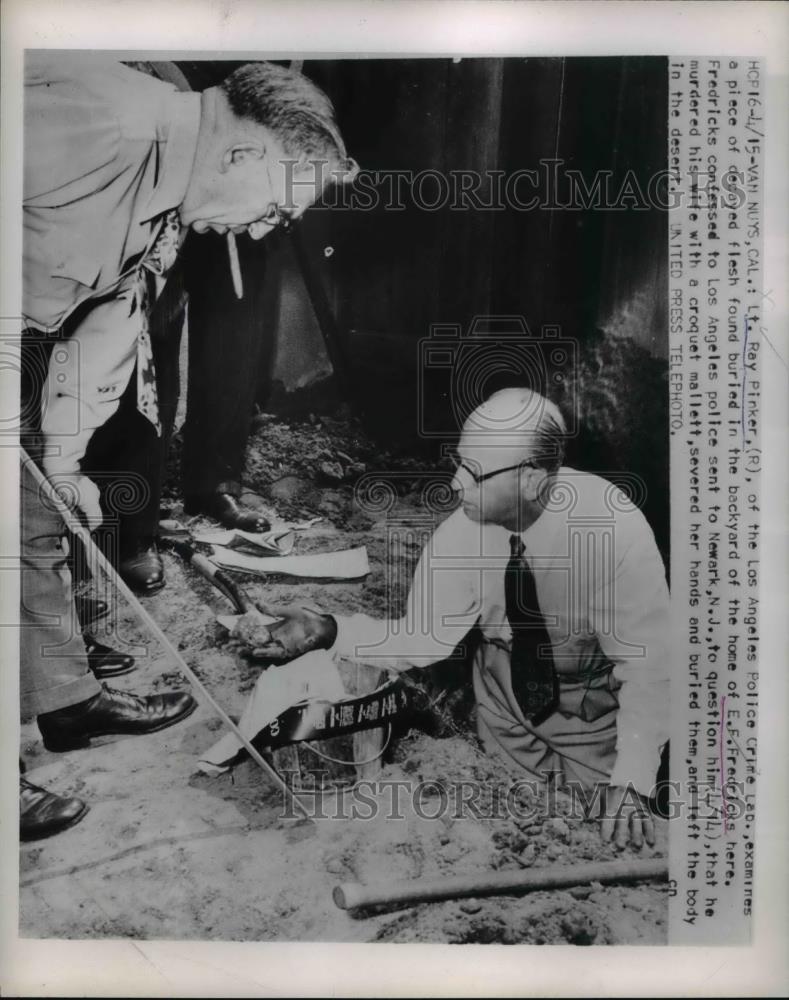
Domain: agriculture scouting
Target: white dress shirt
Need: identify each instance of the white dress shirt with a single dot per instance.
(602, 591)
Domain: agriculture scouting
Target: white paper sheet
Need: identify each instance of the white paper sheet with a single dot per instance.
(313, 675)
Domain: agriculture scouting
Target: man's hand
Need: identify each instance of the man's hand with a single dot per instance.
(626, 816)
(299, 631)
(81, 495)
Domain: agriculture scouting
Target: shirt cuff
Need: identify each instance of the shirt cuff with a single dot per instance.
(637, 766)
(338, 649)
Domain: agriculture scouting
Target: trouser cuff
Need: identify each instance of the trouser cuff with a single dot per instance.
(50, 699)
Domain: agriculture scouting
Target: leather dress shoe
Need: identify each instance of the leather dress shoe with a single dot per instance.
(42, 813)
(105, 661)
(226, 509)
(142, 568)
(112, 713)
(90, 609)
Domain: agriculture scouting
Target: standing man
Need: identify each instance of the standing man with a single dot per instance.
(563, 580)
(230, 346)
(221, 392)
(117, 167)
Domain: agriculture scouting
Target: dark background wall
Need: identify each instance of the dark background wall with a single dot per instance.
(597, 276)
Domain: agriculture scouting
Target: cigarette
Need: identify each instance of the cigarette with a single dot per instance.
(235, 267)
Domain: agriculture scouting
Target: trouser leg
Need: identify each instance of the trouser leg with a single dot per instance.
(228, 348)
(36, 348)
(166, 325)
(125, 456)
(54, 667)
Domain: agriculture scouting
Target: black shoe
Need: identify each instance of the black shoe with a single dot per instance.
(141, 567)
(90, 610)
(226, 509)
(42, 813)
(104, 661)
(112, 713)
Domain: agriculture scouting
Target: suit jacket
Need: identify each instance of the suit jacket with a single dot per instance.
(108, 151)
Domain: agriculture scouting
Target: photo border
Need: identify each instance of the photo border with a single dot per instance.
(225, 29)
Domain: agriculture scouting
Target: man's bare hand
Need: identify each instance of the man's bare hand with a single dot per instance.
(298, 631)
(626, 817)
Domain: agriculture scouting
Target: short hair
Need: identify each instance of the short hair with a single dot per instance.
(520, 413)
(549, 439)
(291, 106)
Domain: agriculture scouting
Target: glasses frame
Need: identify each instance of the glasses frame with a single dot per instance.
(275, 216)
(460, 464)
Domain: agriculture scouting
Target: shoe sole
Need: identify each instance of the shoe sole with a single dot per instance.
(83, 742)
(27, 837)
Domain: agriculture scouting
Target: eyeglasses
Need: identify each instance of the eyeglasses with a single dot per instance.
(460, 463)
(275, 216)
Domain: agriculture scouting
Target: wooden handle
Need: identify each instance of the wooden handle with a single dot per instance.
(204, 566)
(350, 895)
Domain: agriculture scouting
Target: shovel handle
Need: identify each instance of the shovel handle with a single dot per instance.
(211, 572)
(352, 895)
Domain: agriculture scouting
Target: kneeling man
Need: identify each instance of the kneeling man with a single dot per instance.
(559, 575)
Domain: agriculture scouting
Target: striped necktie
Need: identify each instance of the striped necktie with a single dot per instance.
(534, 681)
(158, 261)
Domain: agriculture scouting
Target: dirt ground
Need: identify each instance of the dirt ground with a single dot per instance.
(167, 852)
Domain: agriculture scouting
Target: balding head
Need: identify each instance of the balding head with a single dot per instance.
(509, 450)
(519, 423)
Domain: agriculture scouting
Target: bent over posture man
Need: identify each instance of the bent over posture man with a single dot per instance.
(563, 580)
(117, 167)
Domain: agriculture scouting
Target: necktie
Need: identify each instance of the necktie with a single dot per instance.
(159, 259)
(534, 681)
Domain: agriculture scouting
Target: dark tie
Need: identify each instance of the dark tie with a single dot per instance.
(534, 681)
(159, 260)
